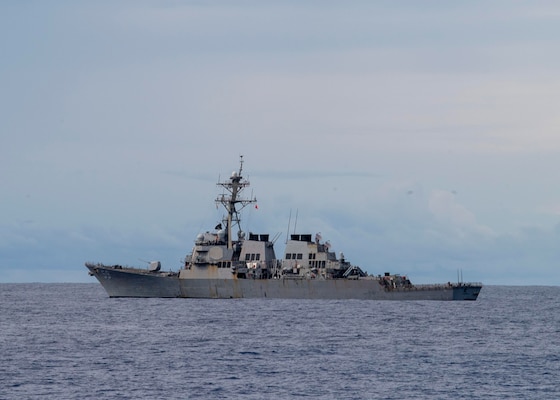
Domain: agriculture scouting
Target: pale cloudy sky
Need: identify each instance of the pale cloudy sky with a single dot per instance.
(419, 137)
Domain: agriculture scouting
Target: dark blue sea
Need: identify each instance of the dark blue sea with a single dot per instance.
(70, 341)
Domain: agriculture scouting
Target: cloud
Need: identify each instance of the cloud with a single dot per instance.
(415, 137)
(550, 209)
(54, 254)
(505, 115)
(403, 227)
(448, 211)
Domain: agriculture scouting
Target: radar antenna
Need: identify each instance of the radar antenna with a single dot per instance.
(232, 200)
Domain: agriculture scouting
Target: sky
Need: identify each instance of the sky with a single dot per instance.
(419, 138)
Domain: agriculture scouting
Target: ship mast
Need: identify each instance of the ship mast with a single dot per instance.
(232, 201)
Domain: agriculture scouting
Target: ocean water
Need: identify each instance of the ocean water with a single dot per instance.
(70, 341)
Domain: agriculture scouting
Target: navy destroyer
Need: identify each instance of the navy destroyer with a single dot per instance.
(222, 267)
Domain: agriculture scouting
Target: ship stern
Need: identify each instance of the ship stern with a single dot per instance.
(466, 292)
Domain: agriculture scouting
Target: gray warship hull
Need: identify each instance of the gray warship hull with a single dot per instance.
(131, 282)
(222, 266)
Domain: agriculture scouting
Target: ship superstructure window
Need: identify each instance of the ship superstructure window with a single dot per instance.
(317, 264)
(294, 256)
(252, 256)
(224, 264)
(312, 256)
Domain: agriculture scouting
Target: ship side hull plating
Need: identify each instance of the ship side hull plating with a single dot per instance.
(132, 283)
